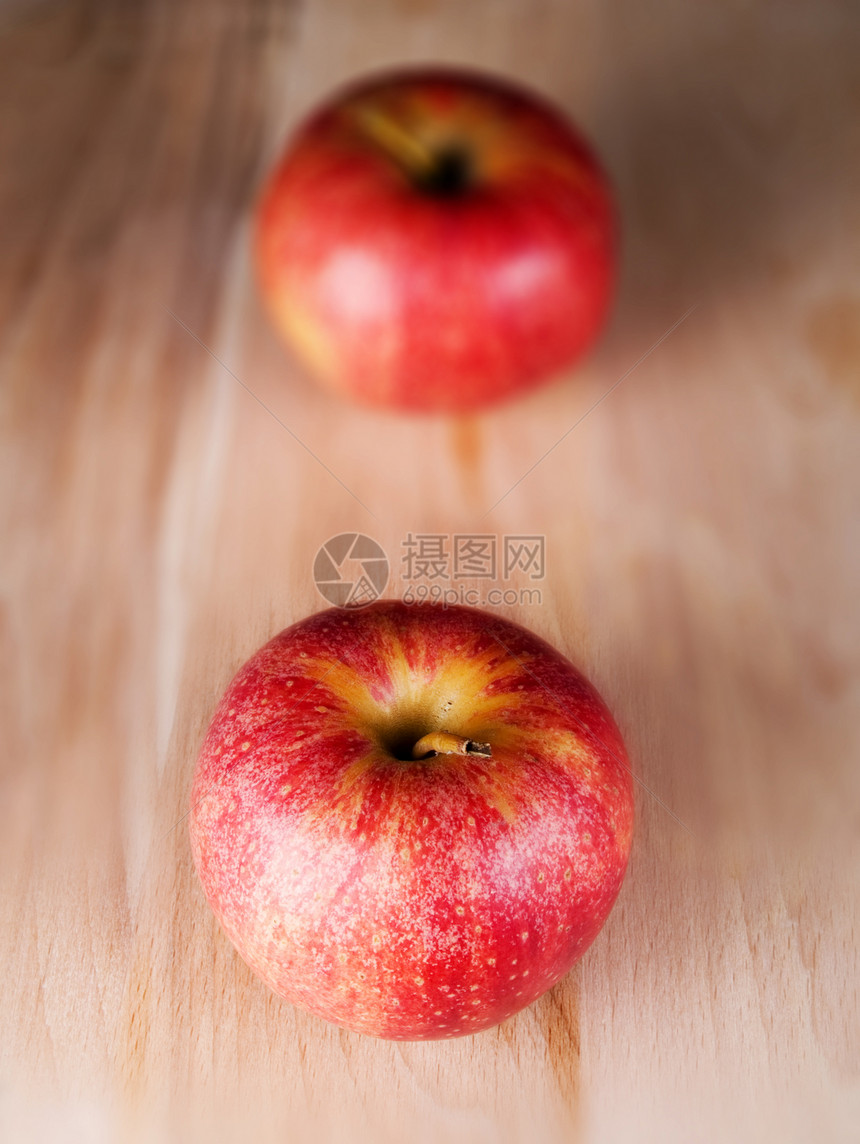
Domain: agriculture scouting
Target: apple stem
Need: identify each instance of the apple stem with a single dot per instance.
(444, 743)
(416, 160)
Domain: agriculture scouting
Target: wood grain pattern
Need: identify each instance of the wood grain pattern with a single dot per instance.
(702, 562)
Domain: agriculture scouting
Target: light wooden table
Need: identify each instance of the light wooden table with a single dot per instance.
(703, 554)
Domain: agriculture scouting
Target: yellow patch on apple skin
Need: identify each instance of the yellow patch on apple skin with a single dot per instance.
(568, 749)
(489, 665)
(307, 337)
(391, 652)
(355, 773)
(496, 796)
(345, 685)
(520, 155)
(445, 695)
(470, 691)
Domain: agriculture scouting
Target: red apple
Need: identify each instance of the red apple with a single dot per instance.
(411, 820)
(436, 240)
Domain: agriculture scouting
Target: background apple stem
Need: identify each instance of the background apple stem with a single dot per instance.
(397, 142)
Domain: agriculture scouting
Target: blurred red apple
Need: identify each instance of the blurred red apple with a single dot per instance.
(436, 241)
(411, 820)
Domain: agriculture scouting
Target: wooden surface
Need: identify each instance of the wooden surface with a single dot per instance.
(159, 524)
